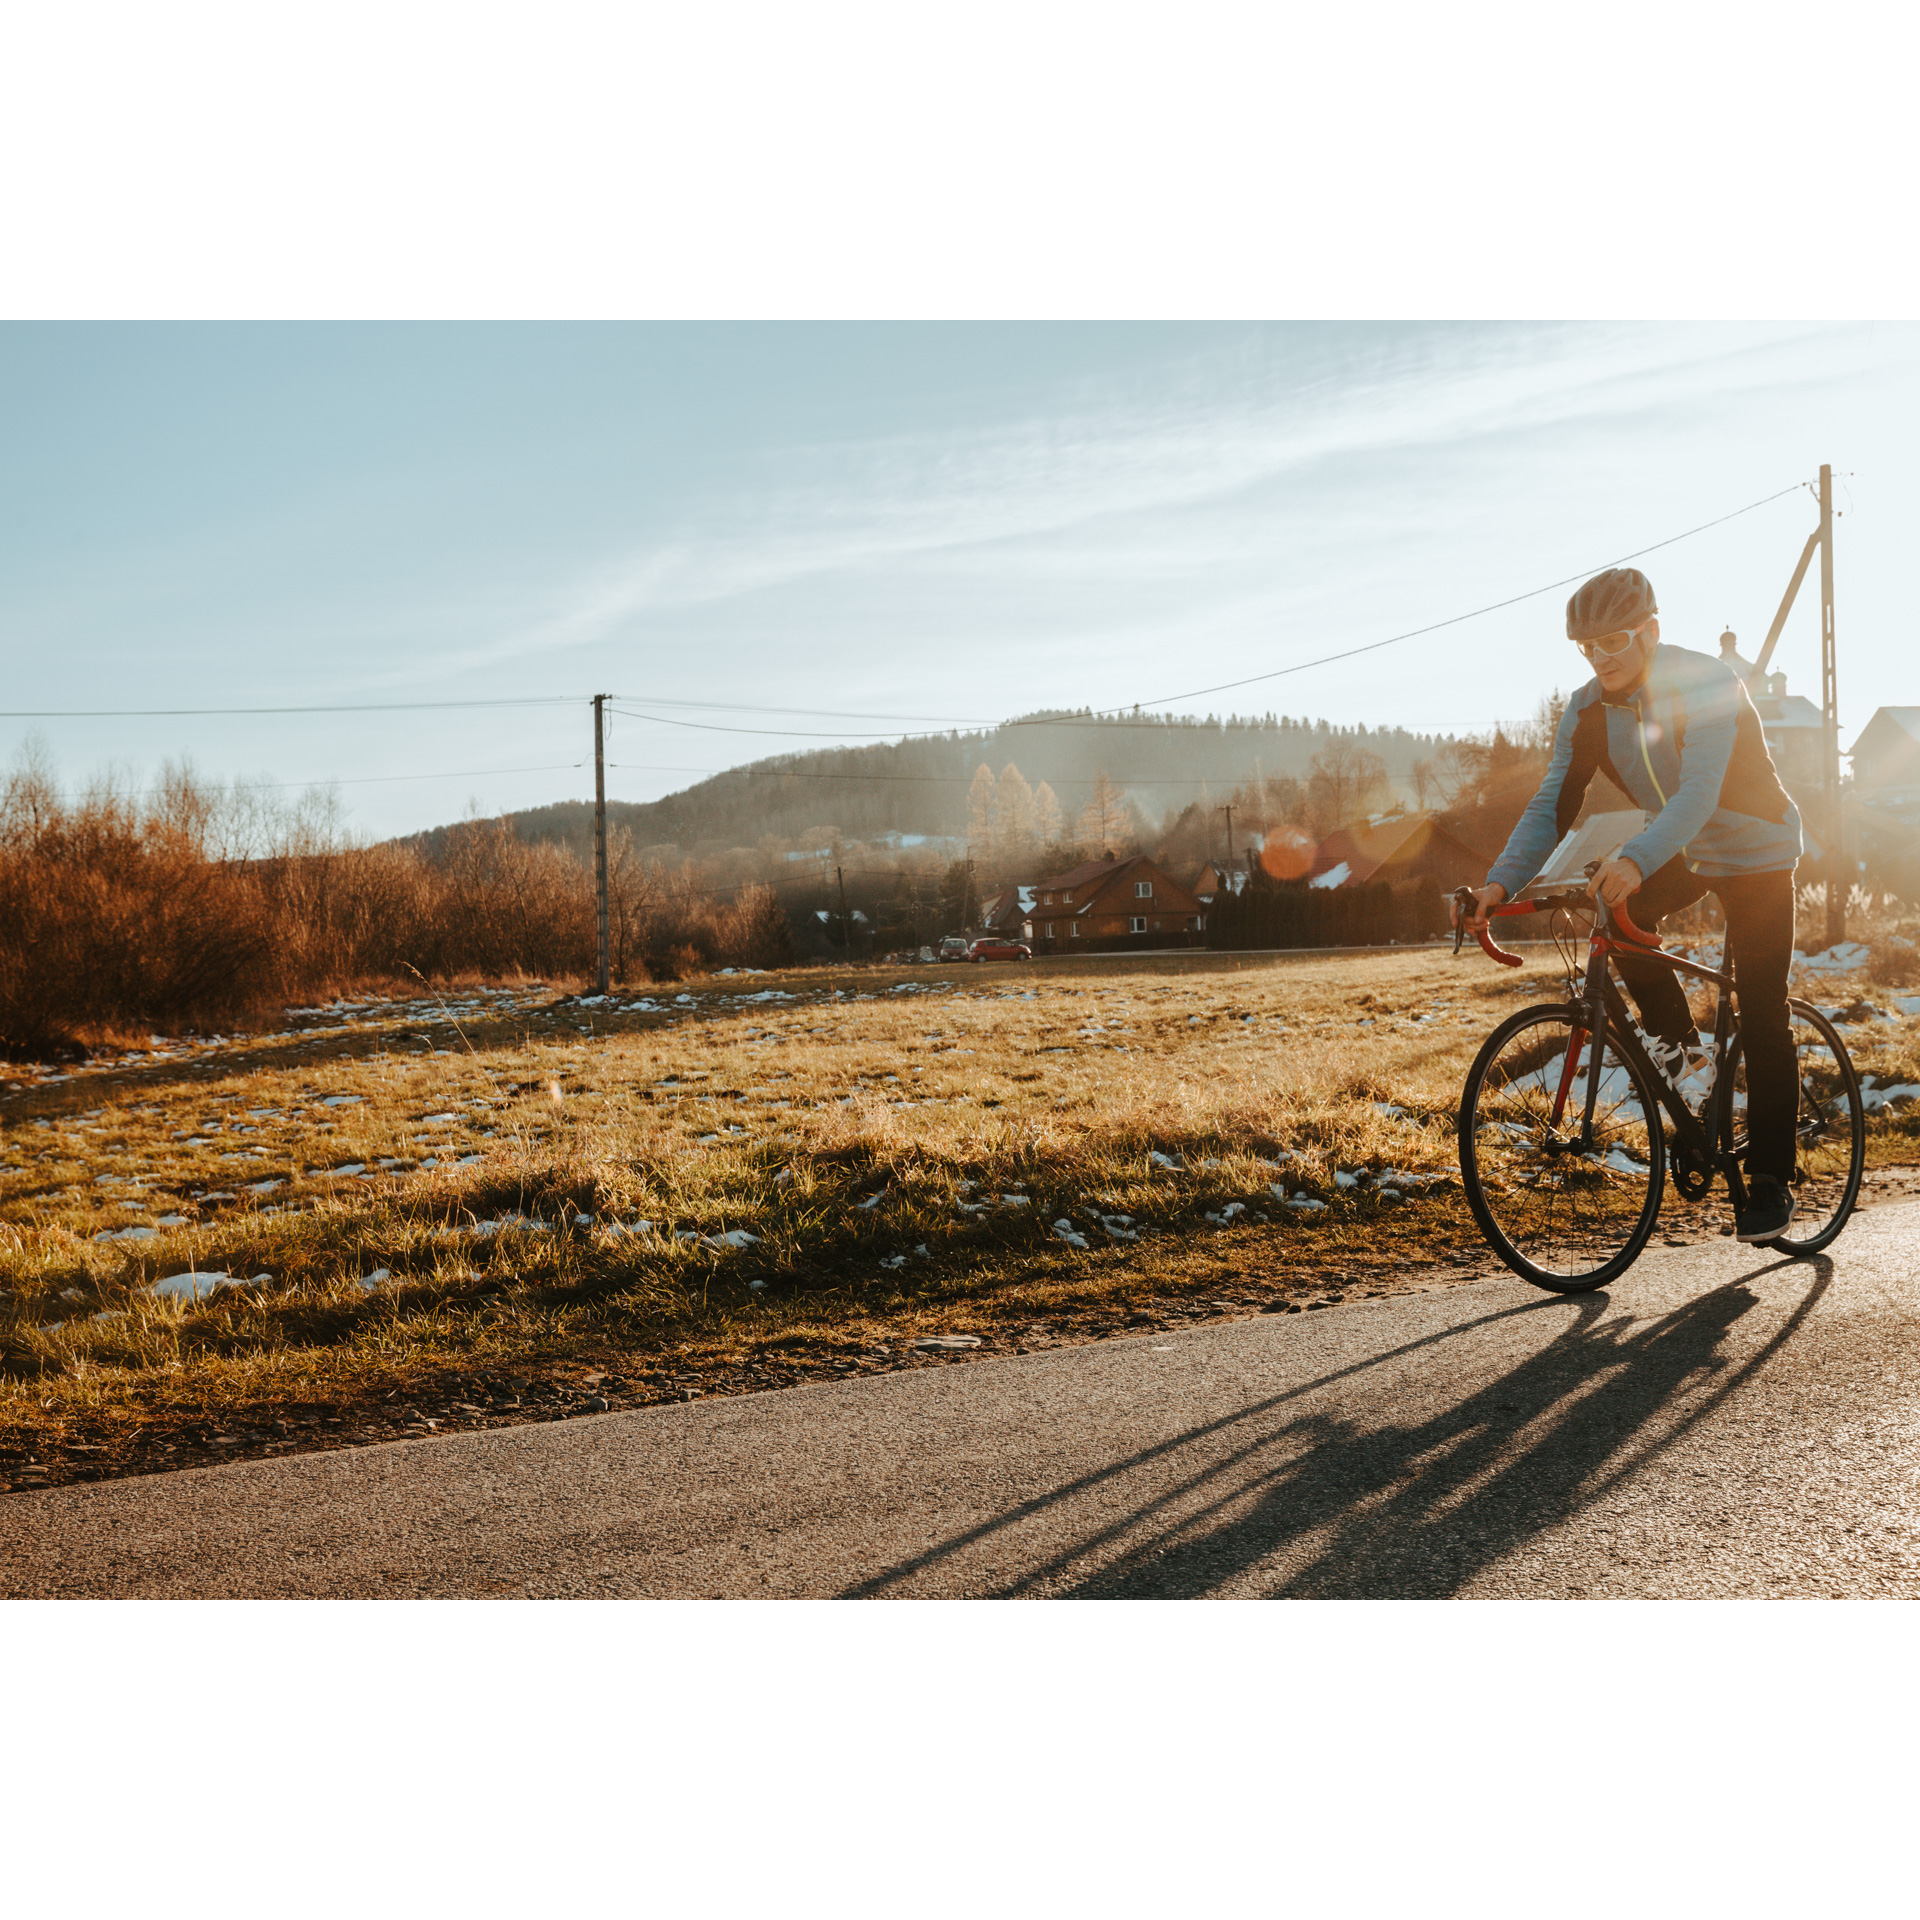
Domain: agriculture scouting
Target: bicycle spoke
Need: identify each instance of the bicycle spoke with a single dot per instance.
(1566, 1202)
(1829, 1132)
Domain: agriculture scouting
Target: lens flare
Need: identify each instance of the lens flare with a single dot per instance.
(1288, 853)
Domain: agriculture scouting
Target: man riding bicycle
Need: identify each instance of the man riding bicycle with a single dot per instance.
(1677, 732)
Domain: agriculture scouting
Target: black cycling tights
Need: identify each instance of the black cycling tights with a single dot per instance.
(1759, 910)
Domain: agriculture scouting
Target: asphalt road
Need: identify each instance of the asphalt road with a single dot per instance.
(1720, 1423)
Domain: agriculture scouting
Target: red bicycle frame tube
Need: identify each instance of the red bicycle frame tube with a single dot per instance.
(1575, 1048)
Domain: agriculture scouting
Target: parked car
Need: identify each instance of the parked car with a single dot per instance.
(993, 947)
(953, 947)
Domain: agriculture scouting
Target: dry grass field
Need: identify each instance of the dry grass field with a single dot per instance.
(509, 1203)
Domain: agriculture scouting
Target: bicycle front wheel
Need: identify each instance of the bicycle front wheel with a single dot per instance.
(1830, 1129)
(1565, 1215)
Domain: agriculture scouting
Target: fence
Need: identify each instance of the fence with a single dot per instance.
(1292, 914)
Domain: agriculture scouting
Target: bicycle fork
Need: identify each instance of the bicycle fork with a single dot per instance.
(1584, 1040)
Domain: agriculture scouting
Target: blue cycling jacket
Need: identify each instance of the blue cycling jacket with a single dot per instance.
(1689, 749)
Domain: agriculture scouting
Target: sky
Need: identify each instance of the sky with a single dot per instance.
(772, 536)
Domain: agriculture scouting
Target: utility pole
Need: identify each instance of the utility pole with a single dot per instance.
(846, 924)
(1228, 811)
(600, 835)
(1839, 869)
(1833, 826)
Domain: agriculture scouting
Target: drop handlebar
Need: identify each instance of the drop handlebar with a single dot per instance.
(1614, 921)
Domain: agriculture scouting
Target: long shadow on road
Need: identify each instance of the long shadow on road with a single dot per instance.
(1410, 1511)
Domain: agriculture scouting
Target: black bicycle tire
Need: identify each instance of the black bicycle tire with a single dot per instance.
(1819, 1242)
(1510, 1255)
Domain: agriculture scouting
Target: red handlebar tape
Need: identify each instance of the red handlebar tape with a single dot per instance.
(1492, 952)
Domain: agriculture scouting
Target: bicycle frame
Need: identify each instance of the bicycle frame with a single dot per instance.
(1710, 1147)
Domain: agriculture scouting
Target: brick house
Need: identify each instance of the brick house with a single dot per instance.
(1108, 900)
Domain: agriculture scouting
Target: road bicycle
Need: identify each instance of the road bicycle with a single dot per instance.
(1563, 1150)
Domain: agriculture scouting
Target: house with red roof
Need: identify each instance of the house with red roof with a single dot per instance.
(1113, 900)
(1395, 846)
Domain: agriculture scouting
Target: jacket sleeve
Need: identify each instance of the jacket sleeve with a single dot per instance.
(1712, 711)
(1576, 758)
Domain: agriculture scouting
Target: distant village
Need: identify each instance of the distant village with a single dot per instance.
(1156, 832)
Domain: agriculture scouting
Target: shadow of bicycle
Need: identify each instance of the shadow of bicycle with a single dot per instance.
(1320, 1506)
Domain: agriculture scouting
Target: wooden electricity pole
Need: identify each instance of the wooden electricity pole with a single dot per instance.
(1228, 811)
(1839, 869)
(846, 925)
(1833, 826)
(600, 836)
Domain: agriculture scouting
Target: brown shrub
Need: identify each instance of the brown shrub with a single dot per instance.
(200, 905)
(1889, 965)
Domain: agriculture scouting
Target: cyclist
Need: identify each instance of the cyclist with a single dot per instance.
(1677, 732)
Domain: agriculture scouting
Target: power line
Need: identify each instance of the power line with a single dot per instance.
(815, 713)
(108, 791)
(1112, 715)
(1108, 716)
(1414, 633)
(369, 706)
(916, 779)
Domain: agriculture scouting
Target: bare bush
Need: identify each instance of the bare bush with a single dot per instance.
(203, 903)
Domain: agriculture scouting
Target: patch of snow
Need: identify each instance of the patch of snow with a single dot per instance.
(196, 1286)
(1872, 1099)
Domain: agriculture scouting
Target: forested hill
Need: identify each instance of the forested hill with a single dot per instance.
(1161, 762)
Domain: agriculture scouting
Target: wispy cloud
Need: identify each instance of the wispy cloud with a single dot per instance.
(1032, 492)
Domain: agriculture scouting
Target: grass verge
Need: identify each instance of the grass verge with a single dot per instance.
(438, 1213)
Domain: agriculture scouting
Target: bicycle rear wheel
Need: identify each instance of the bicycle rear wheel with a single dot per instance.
(1566, 1218)
(1830, 1127)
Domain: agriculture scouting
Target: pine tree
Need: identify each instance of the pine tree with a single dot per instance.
(1013, 821)
(1103, 817)
(1047, 824)
(980, 813)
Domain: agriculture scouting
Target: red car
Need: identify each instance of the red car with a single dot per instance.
(994, 948)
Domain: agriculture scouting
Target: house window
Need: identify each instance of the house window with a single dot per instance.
(1073, 929)
(1049, 929)
(1136, 925)
(1143, 889)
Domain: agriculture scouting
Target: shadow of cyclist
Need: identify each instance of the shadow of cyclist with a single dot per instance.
(1417, 1510)
(1406, 1510)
